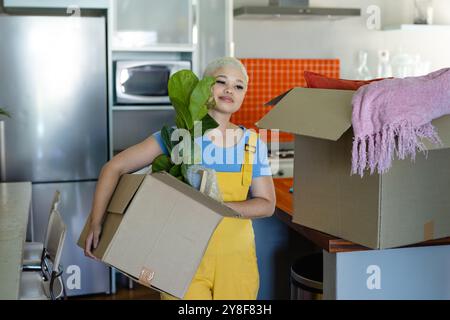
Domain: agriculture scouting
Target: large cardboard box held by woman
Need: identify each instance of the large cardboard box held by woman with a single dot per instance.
(157, 229)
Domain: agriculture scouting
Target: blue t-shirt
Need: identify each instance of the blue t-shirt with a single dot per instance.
(228, 159)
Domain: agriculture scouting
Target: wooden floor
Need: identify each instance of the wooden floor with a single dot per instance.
(138, 292)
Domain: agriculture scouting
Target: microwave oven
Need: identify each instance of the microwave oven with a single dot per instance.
(145, 82)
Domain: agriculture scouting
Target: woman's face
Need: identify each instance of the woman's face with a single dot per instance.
(229, 89)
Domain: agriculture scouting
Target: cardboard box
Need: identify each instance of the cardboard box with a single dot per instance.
(157, 229)
(407, 205)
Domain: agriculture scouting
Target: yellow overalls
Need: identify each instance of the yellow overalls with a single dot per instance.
(229, 267)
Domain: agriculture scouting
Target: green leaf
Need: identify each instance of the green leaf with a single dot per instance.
(207, 123)
(4, 113)
(184, 168)
(166, 133)
(181, 84)
(183, 118)
(199, 97)
(162, 163)
(180, 123)
(175, 170)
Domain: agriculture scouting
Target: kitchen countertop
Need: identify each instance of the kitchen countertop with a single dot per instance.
(325, 241)
(15, 201)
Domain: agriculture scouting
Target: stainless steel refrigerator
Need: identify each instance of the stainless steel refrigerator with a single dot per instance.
(53, 82)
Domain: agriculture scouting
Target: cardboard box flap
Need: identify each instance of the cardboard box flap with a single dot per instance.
(195, 194)
(319, 113)
(275, 100)
(125, 190)
(442, 126)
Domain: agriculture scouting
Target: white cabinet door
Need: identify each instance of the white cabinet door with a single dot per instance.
(215, 31)
(145, 23)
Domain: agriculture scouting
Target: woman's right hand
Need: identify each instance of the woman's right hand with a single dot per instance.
(92, 240)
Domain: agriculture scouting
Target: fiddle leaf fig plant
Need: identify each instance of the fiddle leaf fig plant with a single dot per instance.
(4, 113)
(191, 99)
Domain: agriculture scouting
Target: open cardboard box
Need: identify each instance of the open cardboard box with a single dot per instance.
(408, 204)
(157, 229)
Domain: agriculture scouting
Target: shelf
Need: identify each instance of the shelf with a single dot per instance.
(156, 48)
(142, 108)
(417, 27)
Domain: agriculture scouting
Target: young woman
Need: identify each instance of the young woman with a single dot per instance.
(229, 268)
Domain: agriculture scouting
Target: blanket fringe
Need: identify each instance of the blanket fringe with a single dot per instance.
(376, 151)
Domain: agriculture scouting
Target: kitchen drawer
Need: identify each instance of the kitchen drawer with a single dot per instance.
(131, 127)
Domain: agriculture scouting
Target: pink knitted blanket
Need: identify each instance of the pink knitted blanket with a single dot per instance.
(392, 116)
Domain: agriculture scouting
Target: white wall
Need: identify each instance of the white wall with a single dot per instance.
(343, 39)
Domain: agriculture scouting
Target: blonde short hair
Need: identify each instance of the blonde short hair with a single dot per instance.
(225, 61)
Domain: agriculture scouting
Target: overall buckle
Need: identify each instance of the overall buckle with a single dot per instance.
(250, 148)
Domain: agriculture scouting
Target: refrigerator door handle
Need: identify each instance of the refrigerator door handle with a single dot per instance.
(2, 152)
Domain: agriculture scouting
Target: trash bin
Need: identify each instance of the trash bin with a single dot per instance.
(307, 278)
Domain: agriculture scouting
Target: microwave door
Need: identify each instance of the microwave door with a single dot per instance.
(144, 84)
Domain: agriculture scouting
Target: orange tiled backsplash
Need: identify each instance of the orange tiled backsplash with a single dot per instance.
(270, 77)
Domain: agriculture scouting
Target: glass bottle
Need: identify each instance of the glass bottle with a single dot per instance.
(384, 66)
(362, 71)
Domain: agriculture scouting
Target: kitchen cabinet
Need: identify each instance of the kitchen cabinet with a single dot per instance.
(202, 27)
(133, 125)
(215, 31)
(142, 24)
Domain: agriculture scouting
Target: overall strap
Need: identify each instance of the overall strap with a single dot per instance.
(249, 152)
